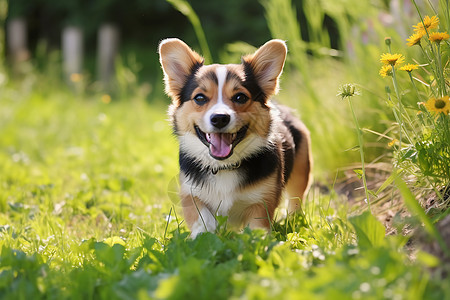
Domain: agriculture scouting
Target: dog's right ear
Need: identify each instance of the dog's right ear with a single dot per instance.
(178, 62)
(267, 64)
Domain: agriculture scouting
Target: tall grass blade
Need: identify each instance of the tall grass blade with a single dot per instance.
(282, 21)
(186, 9)
(415, 208)
(388, 182)
(445, 4)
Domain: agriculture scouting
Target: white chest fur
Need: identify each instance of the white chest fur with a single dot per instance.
(222, 192)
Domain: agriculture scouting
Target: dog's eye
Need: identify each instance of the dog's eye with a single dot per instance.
(200, 99)
(240, 98)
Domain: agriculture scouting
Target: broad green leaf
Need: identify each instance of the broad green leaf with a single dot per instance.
(369, 230)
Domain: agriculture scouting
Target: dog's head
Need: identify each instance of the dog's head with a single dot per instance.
(221, 111)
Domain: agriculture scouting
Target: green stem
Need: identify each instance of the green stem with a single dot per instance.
(400, 106)
(415, 87)
(447, 15)
(361, 151)
(426, 54)
(441, 71)
(402, 113)
(186, 9)
(436, 72)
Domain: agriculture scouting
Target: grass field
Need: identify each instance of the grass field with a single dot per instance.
(88, 181)
(86, 212)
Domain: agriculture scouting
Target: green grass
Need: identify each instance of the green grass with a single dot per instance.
(61, 151)
(86, 213)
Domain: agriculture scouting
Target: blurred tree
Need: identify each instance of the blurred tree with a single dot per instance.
(148, 22)
(74, 12)
(16, 34)
(3, 14)
(21, 8)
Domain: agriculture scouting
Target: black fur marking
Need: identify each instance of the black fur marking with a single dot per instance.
(288, 161)
(254, 168)
(211, 75)
(293, 139)
(233, 76)
(260, 166)
(296, 134)
(192, 169)
(251, 84)
(190, 84)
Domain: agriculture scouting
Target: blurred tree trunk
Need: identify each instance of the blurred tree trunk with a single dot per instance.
(17, 40)
(107, 49)
(3, 14)
(72, 52)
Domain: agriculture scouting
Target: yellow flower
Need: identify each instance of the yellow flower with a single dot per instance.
(414, 39)
(439, 105)
(386, 70)
(439, 36)
(392, 59)
(392, 143)
(428, 23)
(106, 98)
(409, 67)
(76, 77)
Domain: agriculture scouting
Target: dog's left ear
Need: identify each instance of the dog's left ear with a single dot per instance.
(267, 64)
(178, 61)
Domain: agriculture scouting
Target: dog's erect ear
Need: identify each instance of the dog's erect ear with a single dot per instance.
(267, 64)
(178, 62)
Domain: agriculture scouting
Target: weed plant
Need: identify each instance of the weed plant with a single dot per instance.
(422, 144)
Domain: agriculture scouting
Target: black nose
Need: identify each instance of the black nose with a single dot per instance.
(220, 120)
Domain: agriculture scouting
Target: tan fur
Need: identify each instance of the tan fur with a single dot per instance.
(191, 207)
(177, 60)
(268, 62)
(260, 215)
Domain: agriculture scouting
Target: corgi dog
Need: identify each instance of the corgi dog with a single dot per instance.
(238, 150)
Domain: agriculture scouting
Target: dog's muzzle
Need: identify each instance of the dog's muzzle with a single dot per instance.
(221, 144)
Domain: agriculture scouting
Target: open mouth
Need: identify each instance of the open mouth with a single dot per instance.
(221, 144)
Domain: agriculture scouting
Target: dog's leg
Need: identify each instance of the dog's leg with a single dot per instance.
(259, 216)
(198, 217)
(301, 175)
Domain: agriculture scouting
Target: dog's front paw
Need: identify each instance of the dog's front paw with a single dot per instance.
(206, 222)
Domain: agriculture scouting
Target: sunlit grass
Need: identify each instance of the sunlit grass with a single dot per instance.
(65, 152)
(86, 212)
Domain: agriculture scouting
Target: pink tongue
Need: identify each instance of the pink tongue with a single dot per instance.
(220, 144)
